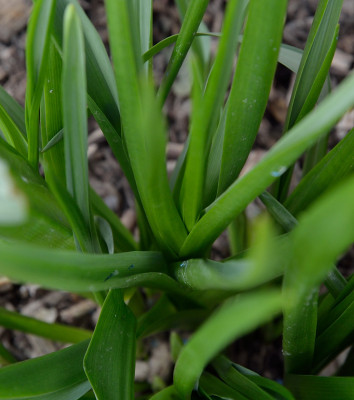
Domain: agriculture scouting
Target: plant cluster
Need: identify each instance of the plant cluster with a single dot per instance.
(55, 231)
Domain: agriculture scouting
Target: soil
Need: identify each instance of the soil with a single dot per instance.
(107, 179)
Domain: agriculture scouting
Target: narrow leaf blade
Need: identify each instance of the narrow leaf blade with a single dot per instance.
(219, 214)
(217, 332)
(251, 85)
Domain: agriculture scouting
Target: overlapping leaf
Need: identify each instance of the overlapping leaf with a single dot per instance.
(110, 358)
(55, 376)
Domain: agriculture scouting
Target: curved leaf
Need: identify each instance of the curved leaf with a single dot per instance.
(73, 271)
(59, 332)
(225, 208)
(110, 358)
(252, 310)
(56, 376)
(322, 234)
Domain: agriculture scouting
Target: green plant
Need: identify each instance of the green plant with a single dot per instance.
(55, 230)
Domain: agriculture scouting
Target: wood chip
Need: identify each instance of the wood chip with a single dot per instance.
(13, 17)
(128, 219)
(342, 62)
(78, 310)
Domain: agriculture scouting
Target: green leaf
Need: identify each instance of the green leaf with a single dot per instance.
(308, 387)
(58, 332)
(238, 274)
(52, 119)
(164, 316)
(102, 94)
(248, 382)
(168, 393)
(318, 45)
(105, 231)
(201, 47)
(6, 357)
(74, 113)
(225, 208)
(149, 165)
(313, 70)
(191, 22)
(335, 281)
(53, 141)
(288, 56)
(280, 214)
(252, 310)
(337, 164)
(144, 133)
(100, 78)
(110, 358)
(335, 331)
(161, 309)
(322, 234)
(143, 12)
(83, 238)
(122, 237)
(46, 224)
(12, 133)
(87, 272)
(205, 115)
(37, 56)
(56, 376)
(237, 380)
(14, 110)
(254, 74)
(213, 386)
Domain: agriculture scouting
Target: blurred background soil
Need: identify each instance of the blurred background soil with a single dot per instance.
(107, 179)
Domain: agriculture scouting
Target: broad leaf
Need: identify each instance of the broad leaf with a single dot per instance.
(56, 376)
(110, 358)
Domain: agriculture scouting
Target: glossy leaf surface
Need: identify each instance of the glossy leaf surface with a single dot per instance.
(220, 213)
(252, 310)
(110, 359)
(56, 376)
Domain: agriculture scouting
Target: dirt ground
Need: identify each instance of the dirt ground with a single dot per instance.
(107, 179)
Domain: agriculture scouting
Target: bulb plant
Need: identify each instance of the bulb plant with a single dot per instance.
(55, 231)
